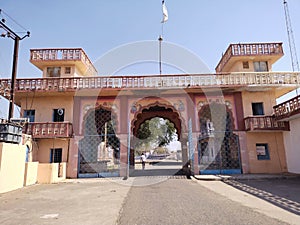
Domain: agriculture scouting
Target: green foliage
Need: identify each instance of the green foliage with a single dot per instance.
(156, 132)
(160, 150)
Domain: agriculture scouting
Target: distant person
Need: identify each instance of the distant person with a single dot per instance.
(143, 160)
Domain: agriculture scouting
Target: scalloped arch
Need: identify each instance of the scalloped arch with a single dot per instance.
(158, 109)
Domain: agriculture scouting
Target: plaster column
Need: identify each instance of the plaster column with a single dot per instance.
(123, 135)
(123, 154)
(244, 155)
(184, 148)
(72, 166)
(191, 112)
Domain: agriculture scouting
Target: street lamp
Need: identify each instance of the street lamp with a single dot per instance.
(11, 34)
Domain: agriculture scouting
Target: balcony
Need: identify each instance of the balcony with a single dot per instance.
(46, 57)
(265, 123)
(273, 50)
(258, 80)
(49, 130)
(288, 110)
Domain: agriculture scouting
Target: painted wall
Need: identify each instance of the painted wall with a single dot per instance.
(49, 173)
(277, 162)
(238, 66)
(31, 171)
(12, 166)
(44, 146)
(268, 99)
(292, 143)
(44, 106)
(74, 71)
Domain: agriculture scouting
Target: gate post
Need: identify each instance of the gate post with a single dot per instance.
(124, 135)
(73, 157)
(192, 148)
(123, 154)
(196, 165)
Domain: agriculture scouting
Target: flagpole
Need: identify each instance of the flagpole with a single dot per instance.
(160, 39)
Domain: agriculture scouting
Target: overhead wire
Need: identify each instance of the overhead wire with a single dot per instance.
(12, 19)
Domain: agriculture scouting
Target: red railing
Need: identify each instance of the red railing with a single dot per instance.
(251, 49)
(260, 123)
(144, 82)
(49, 129)
(65, 54)
(287, 108)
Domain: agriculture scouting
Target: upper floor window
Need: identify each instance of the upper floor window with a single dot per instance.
(67, 70)
(261, 66)
(257, 109)
(53, 71)
(30, 114)
(58, 115)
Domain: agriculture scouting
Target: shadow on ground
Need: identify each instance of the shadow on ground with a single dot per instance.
(283, 192)
(160, 168)
(156, 172)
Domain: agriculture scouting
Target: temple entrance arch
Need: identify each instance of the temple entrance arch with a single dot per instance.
(157, 110)
(166, 112)
(99, 150)
(218, 145)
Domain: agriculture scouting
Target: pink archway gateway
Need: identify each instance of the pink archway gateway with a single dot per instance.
(162, 110)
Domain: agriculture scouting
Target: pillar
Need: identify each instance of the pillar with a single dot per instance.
(72, 166)
(123, 135)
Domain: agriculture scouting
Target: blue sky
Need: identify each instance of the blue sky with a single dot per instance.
(204, 27)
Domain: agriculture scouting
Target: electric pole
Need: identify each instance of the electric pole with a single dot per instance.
(11, 34)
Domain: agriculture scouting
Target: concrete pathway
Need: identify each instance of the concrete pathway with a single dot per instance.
(101, 201)
(75, 202)
(260, 200)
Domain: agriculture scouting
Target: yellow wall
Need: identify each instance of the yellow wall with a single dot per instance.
(238, 66)
(277, 162)
(49, 173)
(267, 97)
(12, 166)
(74, 71)
(44, 146)
(31, 171)
(44, 106)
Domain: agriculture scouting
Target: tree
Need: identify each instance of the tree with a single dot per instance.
(156, 132)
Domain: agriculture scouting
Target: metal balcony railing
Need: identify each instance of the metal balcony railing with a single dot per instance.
(260, 123)
(49, 129)
(288, 108)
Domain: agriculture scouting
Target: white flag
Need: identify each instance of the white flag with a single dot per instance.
(165, 12)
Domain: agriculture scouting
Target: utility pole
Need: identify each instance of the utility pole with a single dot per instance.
(11, 34)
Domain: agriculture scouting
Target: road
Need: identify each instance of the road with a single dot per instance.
(182, 201)
(153, 200)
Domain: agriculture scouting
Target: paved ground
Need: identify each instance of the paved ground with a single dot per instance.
(154, 200)
(86, 202)
(182, 201)
(280, 205)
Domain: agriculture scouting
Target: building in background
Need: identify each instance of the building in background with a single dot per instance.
(90, 122)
